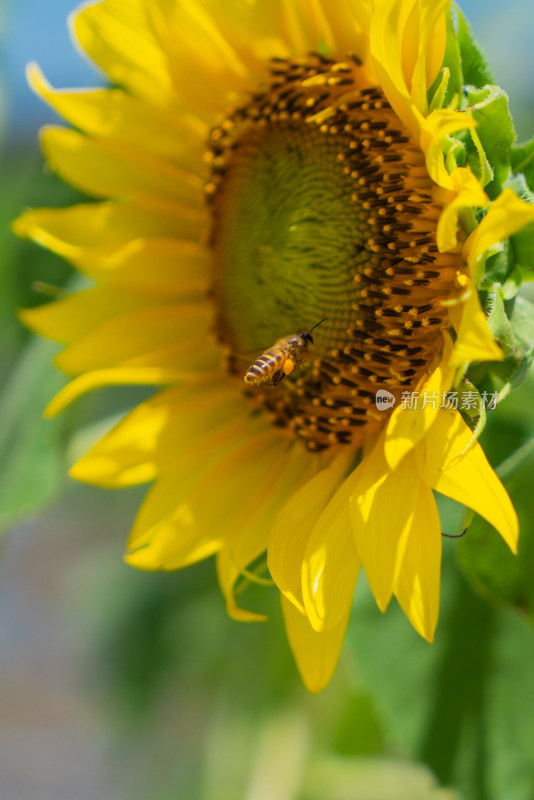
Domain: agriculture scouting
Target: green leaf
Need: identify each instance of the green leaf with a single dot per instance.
(475, 68)
(30, 446)
(370, 779)
(486, 560)
(462, 705)
(495, 129)
(359, 731)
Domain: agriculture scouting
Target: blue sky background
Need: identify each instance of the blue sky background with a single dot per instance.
(36, 30)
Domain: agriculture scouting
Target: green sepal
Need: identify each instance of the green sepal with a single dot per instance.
(496, 132)
(447, 89)
(497, 267)
(522, 321)
(464, 61)
(440, 92)
(506, 266)
(521, 244)
(498, 321)
(512, 325)
(475, 69)
(472, 407)
(518, 184)
(522, 159)
(481, 165)
(455, 153)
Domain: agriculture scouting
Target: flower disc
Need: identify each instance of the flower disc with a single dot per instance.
(321, 206)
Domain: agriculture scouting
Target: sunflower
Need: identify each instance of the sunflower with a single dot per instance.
(261, 168)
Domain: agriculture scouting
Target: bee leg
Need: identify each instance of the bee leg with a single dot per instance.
(277, 377)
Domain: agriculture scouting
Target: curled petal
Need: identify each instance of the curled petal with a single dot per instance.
(457, 467)
(474, 340)
(506, 216)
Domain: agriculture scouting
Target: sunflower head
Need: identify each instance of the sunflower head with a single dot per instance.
(303, 219)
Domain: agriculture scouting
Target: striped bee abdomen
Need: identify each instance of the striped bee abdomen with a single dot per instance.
(268, 367)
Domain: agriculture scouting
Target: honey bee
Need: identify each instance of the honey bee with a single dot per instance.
(282, 358)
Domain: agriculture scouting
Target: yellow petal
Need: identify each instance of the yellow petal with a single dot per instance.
(181, 520)
(142, 337)
(362, 12)
(329, 577)
(251, 539)
(76, 314)
(178, 269)
(407, 426)
(388, 26)
(474, 341)
(111, 113)
(69, 231)
(457, 467)
(175, 546)
(331, 562)
(298, 25)
(469, 194)
(434, 128)
(189, 359)
(168, 422)
(174, 518)
(133, 376)
(119, 38)
(407, 43)
(252, 33)
(205, 68)
(114, 243)
(293, 525)
(423, 49)
(316, 654)
(342, 31)
(417, 588)
(228, 574)
(382, 506)
(106, 168)
(181, 469)
(506, 216)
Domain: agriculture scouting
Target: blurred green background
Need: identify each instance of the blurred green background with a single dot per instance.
(119, 684)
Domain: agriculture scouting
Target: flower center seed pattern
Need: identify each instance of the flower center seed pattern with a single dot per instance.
(321, 206)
